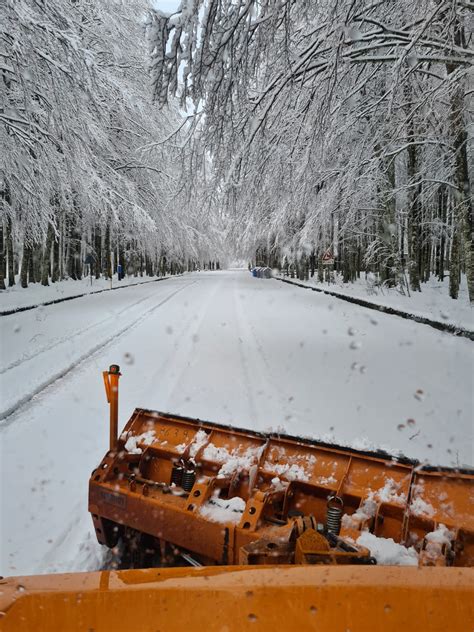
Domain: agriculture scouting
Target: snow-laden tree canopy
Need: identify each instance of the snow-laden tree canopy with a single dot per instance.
(341, 125)
(82, 145)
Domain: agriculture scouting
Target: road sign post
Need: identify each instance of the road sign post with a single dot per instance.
(328, 260)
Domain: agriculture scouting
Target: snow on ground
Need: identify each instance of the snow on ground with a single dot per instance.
(432, 302)
(41, 344)
(221, 346)
(17, 297)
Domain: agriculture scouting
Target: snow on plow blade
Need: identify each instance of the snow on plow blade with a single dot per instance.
(229, 496)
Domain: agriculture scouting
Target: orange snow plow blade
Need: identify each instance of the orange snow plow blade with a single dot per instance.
(231, 496)
(283, 598)
(173, 488)
(290, 534)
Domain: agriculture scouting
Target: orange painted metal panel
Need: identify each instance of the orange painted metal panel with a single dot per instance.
(233, 599)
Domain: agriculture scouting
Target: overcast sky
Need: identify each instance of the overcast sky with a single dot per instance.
(168, 6)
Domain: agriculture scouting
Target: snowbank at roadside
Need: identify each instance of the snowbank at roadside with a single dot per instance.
(35, 294)
(432, 302)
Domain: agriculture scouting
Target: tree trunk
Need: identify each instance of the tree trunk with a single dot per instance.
(443, 214)
(78, 256)
(463, 202)
(9, 251)
(320, 268)
(455, 267)
(97, 252)
(414, 213)
(46, 261)
(3, 260)
(414, 198)
(24, 265)
(55, 271)
(31, 266)
(107, 257)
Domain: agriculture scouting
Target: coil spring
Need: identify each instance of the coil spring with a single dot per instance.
(177, 475)
(189, 476)
(334, 514)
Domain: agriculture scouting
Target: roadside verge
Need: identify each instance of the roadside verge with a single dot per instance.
(441, 326)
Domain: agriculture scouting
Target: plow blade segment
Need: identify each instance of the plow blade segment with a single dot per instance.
(362, 599)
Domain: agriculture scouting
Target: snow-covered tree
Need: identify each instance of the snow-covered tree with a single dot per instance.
(84, 167)
(333, 125)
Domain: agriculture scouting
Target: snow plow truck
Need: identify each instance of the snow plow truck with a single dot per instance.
(216, 528)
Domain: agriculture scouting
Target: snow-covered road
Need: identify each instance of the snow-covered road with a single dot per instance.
(220, 346)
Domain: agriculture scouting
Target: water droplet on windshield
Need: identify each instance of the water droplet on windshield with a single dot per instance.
(128, 358)
(419, 394)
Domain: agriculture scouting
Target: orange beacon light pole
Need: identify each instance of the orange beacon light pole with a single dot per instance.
(111, 382)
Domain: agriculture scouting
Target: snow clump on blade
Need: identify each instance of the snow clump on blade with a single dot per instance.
(364, 512)
(388, 493)
(442, 535)
(420, 507)
(200, 439)
(220, 510)
(232, 461)
(132, 442)
(290, 472)
(387, 552)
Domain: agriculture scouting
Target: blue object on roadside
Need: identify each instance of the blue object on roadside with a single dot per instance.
(262, 272)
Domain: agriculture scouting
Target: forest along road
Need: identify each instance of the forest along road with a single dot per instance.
(221, 346)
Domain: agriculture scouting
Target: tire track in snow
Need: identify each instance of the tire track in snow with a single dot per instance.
(176, 360)
(5, 414)
(255, 363)
(75, 545)
(268, 371)
(246, 372)
(27, 357)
